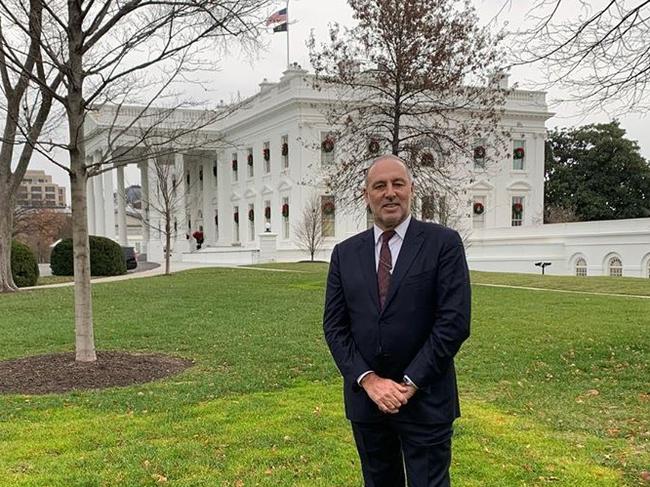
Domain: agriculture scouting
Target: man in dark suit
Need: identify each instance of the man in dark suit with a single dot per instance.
(397, 310)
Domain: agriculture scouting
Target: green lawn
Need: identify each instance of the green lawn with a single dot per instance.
(554, 387)
(597, 284)
(44, 280)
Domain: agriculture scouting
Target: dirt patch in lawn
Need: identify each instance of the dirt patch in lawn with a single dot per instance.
(56, 373)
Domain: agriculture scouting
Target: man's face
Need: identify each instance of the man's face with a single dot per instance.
(388, 193)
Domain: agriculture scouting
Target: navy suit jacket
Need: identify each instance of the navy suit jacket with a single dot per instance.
(425, 319)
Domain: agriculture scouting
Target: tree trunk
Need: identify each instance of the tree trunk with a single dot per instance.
(6, 225)
(84, 334)
(168, 241)
(83, 311)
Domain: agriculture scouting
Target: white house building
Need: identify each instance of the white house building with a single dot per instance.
(247, 198)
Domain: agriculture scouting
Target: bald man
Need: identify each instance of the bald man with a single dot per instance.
(397, 310)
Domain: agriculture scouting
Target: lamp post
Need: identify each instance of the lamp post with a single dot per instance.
(543, 265)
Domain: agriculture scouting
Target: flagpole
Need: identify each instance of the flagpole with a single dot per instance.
(287, 34)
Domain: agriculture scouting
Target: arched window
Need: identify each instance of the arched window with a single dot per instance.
(615, 267)
(648, 269)
(581, 267)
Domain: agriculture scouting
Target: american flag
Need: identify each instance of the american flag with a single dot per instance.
(277, 17)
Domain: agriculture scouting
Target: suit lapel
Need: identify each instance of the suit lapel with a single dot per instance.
(366, 253)
(410, 247)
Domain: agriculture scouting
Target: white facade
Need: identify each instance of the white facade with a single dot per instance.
(581, 248)
(507, 235)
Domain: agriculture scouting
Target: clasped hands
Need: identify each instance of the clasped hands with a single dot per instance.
(387, 394)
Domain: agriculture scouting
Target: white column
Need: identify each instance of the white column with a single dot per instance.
(144, 187)
(109, 205)
(208, 193)
(100, 213)
(90, 202)
(182, 244)
(121, 206)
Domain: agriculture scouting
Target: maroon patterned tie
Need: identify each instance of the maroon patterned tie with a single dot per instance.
(385, 266)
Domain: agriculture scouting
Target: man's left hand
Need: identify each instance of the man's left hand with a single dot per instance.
(411, 390)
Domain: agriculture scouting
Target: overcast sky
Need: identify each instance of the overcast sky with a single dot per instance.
(241, 75)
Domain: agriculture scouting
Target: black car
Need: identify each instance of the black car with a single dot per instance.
(129, 258)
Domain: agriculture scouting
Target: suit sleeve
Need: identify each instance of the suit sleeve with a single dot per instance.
(452, 318)
(336, 325)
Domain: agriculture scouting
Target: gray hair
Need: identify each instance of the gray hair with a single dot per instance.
(381, 158)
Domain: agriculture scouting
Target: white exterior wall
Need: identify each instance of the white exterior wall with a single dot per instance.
(517, 249)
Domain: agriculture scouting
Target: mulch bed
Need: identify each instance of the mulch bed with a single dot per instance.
(56, 373)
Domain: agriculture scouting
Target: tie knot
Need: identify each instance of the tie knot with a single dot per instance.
(387, 235)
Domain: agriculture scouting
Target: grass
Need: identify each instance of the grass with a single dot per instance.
(596, 284)
(45, 280)
(553, 386)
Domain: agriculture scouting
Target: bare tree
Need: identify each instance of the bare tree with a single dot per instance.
(416, 78)
(27, 86)
(122, 52)
(309, 229)
(41, 227)
(166, 198)
(599, 55)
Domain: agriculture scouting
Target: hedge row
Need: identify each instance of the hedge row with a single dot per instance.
(106, 258)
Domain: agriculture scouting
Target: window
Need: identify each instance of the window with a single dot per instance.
(214, 169)
(266, 154)
(479, 154)
(285, 217)
(581, 267)
(517, 211)
(251, 221)
(615, 267)
(518, 155)
(267, 214)
(428, 208)
(50, 189)
(478, 212)
(250, 163)
(234, 167)
(648, 270)
(328, 215)
(235, 226)
(285, 151)
(327, 148)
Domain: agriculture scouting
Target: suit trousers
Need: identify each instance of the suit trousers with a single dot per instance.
(389, 447)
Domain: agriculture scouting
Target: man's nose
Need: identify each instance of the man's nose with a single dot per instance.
(390, 191)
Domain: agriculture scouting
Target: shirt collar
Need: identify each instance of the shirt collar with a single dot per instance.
(400, 229)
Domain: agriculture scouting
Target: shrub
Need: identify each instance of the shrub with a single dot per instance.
(106, 258)
(61, 258)
(24, 267)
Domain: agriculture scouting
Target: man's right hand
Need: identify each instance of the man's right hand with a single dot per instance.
(388, 395)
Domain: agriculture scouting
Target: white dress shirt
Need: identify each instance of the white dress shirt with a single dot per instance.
(395, 243)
